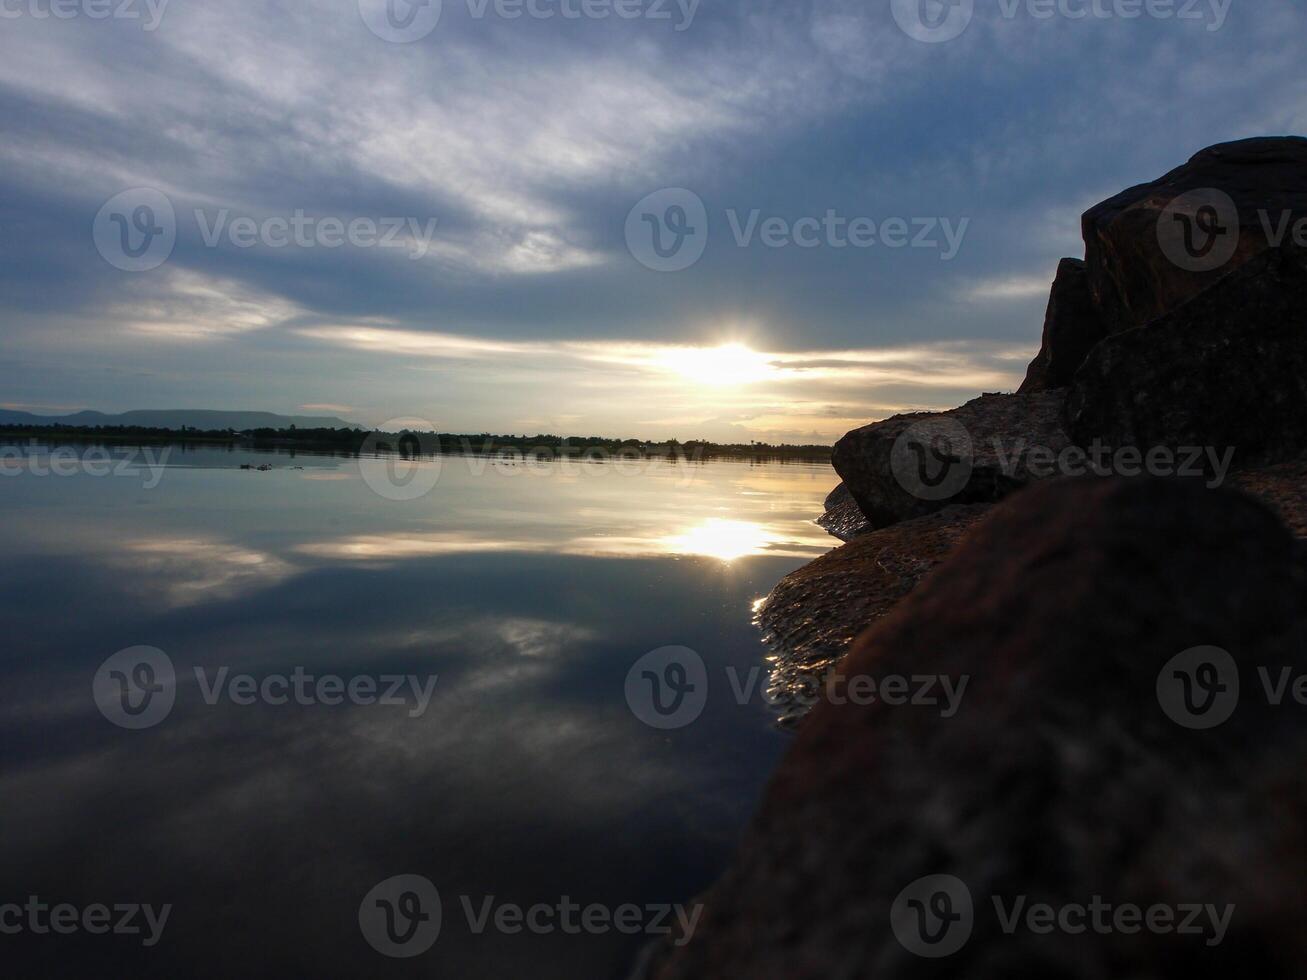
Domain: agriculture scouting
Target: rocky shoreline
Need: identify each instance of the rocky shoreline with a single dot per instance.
(1142, 496)
(1177, 386)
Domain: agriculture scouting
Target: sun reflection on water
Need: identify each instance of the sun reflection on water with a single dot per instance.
(723, 539)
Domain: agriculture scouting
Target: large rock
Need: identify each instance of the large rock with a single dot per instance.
(1139, 264)
(1228, 369)
(812, 617)
(1061, 778)
(912, 465)
(1071, 329)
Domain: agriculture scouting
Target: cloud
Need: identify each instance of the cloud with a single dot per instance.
(527, 142)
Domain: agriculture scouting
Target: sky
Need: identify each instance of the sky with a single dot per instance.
(773, 220)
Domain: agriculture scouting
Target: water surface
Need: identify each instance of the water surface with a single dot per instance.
(527, 590)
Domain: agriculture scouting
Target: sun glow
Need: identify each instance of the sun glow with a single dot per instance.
(722, 539)
(729, 364)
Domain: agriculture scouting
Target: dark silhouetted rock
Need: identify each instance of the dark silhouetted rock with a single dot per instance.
(1226, 369)
(842, 517)
(814, 614)
(912, 465)
(1133, 279)
(1060, 778)
(1071, 329)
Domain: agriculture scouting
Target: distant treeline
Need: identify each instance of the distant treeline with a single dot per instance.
(355, 441)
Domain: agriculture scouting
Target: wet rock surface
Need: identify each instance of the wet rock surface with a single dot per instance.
(843, 518)
(1061, 777)
(813, 616)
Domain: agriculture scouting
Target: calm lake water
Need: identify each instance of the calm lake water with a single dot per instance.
(527, 591)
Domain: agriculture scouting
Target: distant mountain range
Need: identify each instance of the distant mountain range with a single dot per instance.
(177, 418)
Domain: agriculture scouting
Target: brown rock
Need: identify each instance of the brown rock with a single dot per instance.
(1071, 329)
(815, 613)
(912, 465)
(1134, 279)
(1060, 778)
(1227, 370)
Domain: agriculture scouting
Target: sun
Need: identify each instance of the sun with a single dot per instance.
(728, 364)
